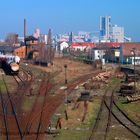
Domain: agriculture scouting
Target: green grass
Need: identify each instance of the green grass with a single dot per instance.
(113, 82)
(60, 111)
(2, 86)
(132, 109)
(71, 135)
(36, 71)
(91, 117)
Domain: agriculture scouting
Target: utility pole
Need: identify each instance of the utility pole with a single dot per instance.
(101, 55)
(65, 66)
(134, 71)
(25, 36)
(134, 54)
(66, 94)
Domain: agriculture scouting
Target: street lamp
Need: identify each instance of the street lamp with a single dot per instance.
(134, 54)
(65, 66)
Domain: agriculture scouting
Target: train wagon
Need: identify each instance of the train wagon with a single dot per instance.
(10, 63)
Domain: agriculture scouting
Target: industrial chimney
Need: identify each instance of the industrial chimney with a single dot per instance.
(25, 36)
(24, 29)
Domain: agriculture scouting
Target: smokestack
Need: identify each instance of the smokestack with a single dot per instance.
(25, 37)
(24, 28)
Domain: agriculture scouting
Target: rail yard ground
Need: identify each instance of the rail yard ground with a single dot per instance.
(48, 108)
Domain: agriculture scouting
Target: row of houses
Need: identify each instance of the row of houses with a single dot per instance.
(32, 49)
(109, 52)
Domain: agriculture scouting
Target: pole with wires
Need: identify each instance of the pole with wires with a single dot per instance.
(134, 55)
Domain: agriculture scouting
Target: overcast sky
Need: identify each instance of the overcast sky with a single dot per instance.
(68, 15)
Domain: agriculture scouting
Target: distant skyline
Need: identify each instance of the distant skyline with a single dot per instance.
(64, 16)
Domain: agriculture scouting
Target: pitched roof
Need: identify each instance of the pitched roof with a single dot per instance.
(83, 44)
(6, 49)
(127, 48)
(108, 45)
(31, 38)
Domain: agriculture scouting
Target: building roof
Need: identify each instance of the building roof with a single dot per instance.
(31, 38)
(83, 44)
(6, 49)
(108, 45)
(127, 48)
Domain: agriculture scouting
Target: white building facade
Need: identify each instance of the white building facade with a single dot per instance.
(63, 45)
(117, 34)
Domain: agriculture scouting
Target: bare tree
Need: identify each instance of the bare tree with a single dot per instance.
(11, 38)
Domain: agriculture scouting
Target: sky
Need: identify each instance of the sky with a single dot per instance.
(64, 16)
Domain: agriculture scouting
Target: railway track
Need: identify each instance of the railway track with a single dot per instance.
(18, 80)
(37, 122)
(12, 125)
(4, 116)
(34, 123)
(125, 115)
(101, 126)
(15, 131)
(23, 77)
(47, 108)
(125, 121)
(108, 111)
(42, 114)
(10, 111)
(26, 75)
